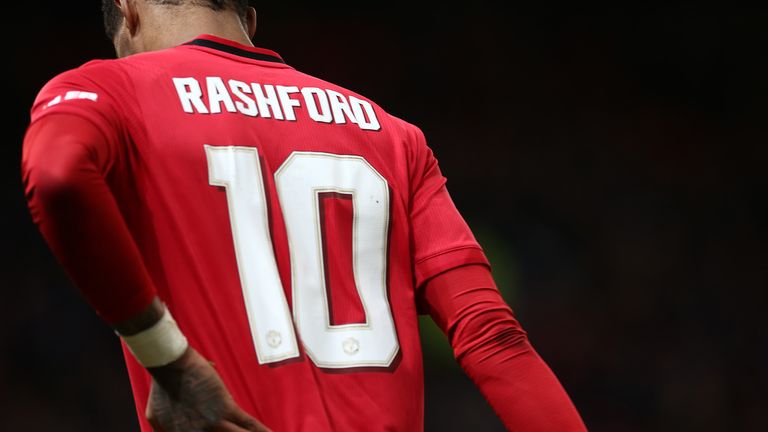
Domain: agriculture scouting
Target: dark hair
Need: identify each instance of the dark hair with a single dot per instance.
(112, 16)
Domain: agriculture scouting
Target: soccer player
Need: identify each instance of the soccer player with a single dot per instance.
(292, 228)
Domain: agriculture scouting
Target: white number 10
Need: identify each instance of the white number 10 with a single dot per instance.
(299, 182)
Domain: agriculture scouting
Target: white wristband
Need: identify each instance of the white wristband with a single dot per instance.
(158, 345)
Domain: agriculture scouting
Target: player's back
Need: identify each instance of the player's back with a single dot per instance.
(285, 221)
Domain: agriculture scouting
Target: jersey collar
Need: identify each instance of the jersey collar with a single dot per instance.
(234, 48)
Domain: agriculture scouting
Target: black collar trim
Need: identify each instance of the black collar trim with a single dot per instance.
(235, 50)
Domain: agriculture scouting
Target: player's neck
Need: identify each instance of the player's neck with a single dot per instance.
(185, 26)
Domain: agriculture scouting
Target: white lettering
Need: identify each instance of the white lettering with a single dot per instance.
(286, 101)
(268, 101)
(366, 120)
(323, 114)
(190, 94)
(217, 93)
(340, 107)
(248, 105)
(265, 100)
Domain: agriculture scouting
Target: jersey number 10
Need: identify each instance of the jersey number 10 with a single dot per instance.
(299, 182)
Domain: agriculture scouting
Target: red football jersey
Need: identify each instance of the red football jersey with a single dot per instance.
(286, 222)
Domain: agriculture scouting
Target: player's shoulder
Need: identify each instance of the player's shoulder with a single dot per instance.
(101, 73)
(409, 130)
(95, 81)
(109, 73)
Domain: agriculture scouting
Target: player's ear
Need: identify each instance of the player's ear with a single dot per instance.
(129, 10)
(250, 22)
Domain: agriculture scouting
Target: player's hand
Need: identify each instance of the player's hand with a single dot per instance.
(188, 396)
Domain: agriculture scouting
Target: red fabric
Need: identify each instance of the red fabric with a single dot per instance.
(494, 351)
(336, 213)
(164, 213)
(77, 215)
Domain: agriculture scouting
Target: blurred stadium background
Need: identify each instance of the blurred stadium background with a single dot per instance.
(613, 165)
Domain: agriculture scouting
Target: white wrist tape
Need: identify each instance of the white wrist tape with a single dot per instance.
(158, 345)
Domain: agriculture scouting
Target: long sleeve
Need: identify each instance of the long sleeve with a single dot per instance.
(494, 351)
(63, 161)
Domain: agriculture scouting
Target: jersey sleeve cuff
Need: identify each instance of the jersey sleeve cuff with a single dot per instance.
(431, 266)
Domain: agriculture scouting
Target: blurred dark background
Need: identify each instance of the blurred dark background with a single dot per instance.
(612, 164)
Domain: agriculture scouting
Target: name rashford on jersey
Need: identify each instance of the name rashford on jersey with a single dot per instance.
(276, 102)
